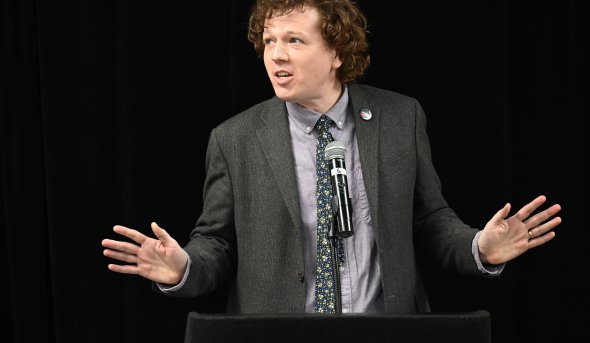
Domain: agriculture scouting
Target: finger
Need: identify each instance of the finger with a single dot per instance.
(121, 256)
(546, 227)
(529, 208)
(126, 247)
(540, 217)
(500, 215)
(162, 235)
(130, 233)
(125, 269)
(535, 242)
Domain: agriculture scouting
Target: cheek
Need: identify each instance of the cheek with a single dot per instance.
(267, 61)
(320, 69)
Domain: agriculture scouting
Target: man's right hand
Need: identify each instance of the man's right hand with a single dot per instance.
(161, 260)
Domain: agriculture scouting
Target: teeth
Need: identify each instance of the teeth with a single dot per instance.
(282, 74)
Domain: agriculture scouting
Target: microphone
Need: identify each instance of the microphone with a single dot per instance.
(341, 202)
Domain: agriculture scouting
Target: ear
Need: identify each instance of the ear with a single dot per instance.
(337, 62)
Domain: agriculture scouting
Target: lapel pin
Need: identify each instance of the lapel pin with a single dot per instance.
(366, 114)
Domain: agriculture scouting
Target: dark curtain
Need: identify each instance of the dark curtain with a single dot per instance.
(106, 109)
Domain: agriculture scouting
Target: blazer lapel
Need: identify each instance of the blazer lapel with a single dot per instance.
(367, 132)
(275, 141)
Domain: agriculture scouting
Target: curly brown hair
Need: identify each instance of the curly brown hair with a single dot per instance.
(343, 27)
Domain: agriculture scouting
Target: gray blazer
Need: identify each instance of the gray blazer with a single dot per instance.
(249, 235)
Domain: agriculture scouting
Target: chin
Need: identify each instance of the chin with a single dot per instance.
(283, 94)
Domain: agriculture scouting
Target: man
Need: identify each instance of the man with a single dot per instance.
(257, 231)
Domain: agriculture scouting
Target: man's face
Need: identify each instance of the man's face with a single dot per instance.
(300, 66)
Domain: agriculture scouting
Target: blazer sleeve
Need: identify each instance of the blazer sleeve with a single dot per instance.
(437, 229)
(212, 244)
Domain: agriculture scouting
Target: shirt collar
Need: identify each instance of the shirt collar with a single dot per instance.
(305, 119)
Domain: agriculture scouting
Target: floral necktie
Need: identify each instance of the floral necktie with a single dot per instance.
(324, 282)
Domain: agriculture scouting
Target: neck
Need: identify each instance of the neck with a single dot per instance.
(326, 102)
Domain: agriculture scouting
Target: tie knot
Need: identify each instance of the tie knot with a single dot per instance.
(323, 124)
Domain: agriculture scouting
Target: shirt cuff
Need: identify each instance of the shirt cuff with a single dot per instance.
(490, 269)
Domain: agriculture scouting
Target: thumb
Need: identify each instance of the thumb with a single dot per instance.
(162, 235)
(500, 215)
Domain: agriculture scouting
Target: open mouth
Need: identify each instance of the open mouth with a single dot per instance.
(282, 74)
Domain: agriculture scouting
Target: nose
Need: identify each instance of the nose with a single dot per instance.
(279, 53)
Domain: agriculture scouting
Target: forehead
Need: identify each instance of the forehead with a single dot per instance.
(304, 19)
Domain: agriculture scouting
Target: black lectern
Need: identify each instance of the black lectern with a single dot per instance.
(464, 327)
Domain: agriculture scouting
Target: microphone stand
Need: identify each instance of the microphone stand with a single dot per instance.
(333, 237)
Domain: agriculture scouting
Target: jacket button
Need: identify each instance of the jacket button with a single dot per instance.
(300, 277)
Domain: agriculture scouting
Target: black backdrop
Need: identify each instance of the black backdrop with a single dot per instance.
(107, 107)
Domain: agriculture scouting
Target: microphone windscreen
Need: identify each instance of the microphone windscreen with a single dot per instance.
(335, 149)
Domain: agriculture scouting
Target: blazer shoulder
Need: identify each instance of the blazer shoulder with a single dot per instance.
(387, 101)
(376, 92)
(248, 120)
